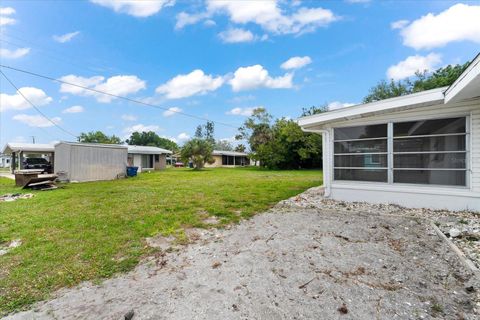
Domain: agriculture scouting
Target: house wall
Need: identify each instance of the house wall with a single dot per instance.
(216, 164)
(90, 163)
(161, 163)
(158, 165)
(413, 195)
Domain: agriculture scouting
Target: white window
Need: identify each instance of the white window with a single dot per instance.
(419, 152)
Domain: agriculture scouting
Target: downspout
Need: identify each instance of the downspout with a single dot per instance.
(325, 158)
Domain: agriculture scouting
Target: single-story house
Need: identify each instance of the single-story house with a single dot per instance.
(228, 159)
(417, 150)
(5, 161)
(90, 161)
(18, 152)
(147, 158)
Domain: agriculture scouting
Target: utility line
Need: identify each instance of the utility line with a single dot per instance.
(116, 96)
(35, 107)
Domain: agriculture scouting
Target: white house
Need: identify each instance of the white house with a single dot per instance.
(5, 161)
(228, 159)
(147, 158)
(418, 150)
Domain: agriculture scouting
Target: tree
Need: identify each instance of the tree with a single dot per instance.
(150, 138)
(422, 81)
(206, 132)
(440, 78)
(240, 148)
(290, 147)
(314, 110)
(199, 151)
(98, 137)
(384, 90)
(283, 144)
(223, 145)
(210, 132)
(256, 130)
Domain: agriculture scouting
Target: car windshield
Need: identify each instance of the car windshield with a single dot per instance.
(37, 161)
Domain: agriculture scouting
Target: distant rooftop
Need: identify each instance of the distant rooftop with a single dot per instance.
(229, 153)
(147, 150)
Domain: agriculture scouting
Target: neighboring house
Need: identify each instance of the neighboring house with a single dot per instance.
(228, 159)
(90, 161)
(418, 150)
(18, 152)
(147, 158)
(5, 161)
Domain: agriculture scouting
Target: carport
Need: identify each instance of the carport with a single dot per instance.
(19, 151)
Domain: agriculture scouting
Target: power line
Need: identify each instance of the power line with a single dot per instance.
(35, 107)
(116, 96)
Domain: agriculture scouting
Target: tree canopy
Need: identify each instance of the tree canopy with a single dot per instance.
(206, 132)
(280, 144)
(98, 137)
(420, 82)
(150, 138)
(199, 151)
(223, 145)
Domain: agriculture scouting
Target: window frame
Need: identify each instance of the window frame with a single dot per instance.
(390, 152)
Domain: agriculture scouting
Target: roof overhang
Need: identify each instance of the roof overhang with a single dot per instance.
(147, 150)
(467, 86)
(229, 153)
(420, 99)
(27, 147)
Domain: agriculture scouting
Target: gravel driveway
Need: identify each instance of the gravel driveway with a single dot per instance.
(288, 264)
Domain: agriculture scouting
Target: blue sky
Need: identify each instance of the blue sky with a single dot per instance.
(212, 59)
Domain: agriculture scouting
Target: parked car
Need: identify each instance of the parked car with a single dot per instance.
(179, 164)
(38, 163)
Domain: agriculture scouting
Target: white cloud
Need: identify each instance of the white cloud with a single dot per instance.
(186, 85)
(400, 24)
(66, 37)
(136, 8)
(172, 111)
(36, 121)
(412, 64)
(242, 111)
(183, 136)
(5, 12)
(117, 85)
(266, 14)
(339, 105)
(140, 128)
(16, 102)
(14, 54)
(74, 109)
(236, 35)
(129, 117)
(460, 22)
(296, 62)
(256, 76)
(184, 19)
(210, 23)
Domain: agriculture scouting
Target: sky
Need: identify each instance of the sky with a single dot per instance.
(211, 59)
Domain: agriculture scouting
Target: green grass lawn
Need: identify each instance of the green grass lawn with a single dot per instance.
(90, 231)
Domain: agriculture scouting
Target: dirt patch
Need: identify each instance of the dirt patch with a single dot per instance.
(288, 264)
(462, 227)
